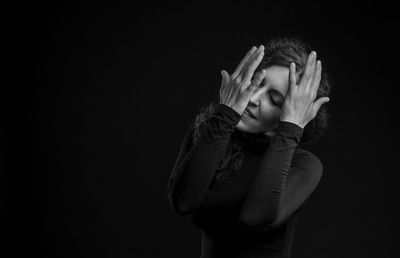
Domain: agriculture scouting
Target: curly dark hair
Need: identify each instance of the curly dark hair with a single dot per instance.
(278, 51)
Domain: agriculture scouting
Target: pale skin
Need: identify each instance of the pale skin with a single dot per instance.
(272, 94)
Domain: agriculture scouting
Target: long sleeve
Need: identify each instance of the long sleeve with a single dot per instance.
(197, 162)
(281, 184)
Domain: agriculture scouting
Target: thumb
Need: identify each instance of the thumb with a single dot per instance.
(225, 77)
(318, 103)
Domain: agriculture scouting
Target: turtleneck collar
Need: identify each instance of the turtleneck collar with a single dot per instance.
(255, 143)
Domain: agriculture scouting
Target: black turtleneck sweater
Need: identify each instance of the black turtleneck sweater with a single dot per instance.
(255, 214)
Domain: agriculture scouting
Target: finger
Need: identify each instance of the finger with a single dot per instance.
(307, 73)
(253, 56)
(318, 103)
(243, 62)
(248, 72)
(292, 75)
(310, 83)
(258, 78)
(317, 78)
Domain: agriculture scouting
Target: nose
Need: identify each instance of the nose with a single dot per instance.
(256, 97)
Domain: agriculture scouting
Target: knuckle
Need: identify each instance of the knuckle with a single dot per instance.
(252, 84)
(246, 84)
(305, 78)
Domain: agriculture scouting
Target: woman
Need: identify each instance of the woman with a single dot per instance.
(241, 175)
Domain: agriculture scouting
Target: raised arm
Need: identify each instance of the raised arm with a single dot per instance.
(281, 184)
(197, 162)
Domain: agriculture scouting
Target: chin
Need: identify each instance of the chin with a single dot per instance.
(246, 127)
(253, 128)
(270, 133)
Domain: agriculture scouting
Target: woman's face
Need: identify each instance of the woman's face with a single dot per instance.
(266, 102)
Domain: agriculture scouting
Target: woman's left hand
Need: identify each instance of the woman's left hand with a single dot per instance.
(299, 106)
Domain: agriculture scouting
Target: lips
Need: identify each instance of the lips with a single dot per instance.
(247, 112)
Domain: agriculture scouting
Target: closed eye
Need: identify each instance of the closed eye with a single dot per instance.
(273, 100)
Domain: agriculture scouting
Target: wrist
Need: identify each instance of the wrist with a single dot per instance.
(294, 121)
(237, 109)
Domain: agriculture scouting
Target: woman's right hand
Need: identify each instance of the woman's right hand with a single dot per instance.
(236, 89)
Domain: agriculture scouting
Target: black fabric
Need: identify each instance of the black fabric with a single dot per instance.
(255, 215)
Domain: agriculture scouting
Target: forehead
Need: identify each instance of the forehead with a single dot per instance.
(277, 77)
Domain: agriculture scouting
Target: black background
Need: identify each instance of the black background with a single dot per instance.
(96, 98)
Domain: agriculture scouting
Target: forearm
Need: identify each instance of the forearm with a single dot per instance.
(193, 172)
(262, 203)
